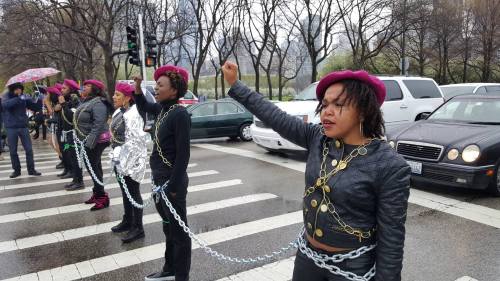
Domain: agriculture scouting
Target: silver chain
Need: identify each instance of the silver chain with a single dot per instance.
(322, 260)
(83, 153)
(127, 192)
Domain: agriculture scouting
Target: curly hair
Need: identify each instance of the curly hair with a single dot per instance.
(177, 82)
(363, 98)
(96, 92)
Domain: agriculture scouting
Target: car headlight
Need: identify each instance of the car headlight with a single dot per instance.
(453, 154)
(392, 144)
(471, 153)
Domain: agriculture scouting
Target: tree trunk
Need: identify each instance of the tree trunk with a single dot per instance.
(109, 71)
(216, 85)
(223, 85)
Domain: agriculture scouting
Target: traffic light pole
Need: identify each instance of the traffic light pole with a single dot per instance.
(142, 51)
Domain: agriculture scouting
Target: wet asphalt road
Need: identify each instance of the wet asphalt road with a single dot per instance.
(46, 232)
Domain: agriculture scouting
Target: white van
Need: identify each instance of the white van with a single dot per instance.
(407, 98)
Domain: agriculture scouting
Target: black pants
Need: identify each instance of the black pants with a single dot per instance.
(306, 270)
(94, 156)
(178, 249)
(133, 215)
(40, 121)
(69, 157)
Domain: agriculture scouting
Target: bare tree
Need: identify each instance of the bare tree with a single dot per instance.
(369, 26)
(487, 17)
(419, 33)
(316, 21)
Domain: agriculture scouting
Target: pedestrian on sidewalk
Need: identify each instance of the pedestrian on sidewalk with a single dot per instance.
(14, 105)
(168, 162)
(67, 104)
(357, 186)
(90, 123)
(128, 156)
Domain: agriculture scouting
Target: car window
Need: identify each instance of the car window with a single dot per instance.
(188, 95)
(481, 90)
(469, 111)
(205, 109)
(226, 108)
(492, 89)
(422, 89)
(449, 92)
(393, 90)
(309, 93)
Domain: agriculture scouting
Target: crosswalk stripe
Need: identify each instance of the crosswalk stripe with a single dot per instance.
(281, 270)
(60, 171)
(52, 182)
(156, 251)
(38, 162)
(76, 233)
(78, 207)
(473, 212)
(42, 195)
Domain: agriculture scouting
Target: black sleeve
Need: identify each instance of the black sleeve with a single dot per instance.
(67, 111)
(392, 203)
(100, 117)
(182, 124)
(288, 126)
(144, 105)
(35, 106)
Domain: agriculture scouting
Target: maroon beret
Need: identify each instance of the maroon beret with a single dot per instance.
(54, 90)
(376, 84)
(172, 68)
(125, 89)
(72, 84)
(58, 86)
(96, 83)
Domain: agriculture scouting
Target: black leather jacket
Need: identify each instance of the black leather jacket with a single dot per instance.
(370, 194)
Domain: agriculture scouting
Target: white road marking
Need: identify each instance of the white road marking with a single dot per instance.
(156, 251)
(458, 208)
(52, 182)
(281, 270)
(466, 278)
(81, 232)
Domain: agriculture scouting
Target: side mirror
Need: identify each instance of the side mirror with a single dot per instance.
(424, 116)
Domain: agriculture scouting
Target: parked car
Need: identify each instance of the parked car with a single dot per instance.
(220, 118)
(452, 90)
(458, 145)
(188, 99)
(407, 99)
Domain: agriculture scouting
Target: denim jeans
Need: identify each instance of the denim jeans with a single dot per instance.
(13, 134)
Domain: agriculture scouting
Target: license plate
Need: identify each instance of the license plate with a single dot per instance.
(416, 167)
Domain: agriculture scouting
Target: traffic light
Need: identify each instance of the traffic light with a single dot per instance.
(133, 48)
(151, 50)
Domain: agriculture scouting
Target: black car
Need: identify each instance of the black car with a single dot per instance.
(221, 118)
(457, 145)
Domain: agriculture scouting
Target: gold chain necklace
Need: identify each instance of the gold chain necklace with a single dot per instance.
(157, 126)
(326, 205)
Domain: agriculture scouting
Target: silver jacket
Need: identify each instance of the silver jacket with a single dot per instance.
(130, 157)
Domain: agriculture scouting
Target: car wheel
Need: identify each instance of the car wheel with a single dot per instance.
(494, 188)
(245, 133)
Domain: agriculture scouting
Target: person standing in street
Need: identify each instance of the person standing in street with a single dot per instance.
(90, 123)
(14, 105)
(128, 156)
(168, 162)
(356, 194)
(67, 104)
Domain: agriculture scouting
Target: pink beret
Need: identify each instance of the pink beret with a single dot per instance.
(58, 86)
(72, 84)
(172, 68)
(96, 83)
(376, 84)
(124, 88)
(54, 90)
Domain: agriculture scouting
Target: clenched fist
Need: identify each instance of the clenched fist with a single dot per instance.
(138, 80)
(230, 70)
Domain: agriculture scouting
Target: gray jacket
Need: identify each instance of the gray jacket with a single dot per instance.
(371, 195)
(90, 121)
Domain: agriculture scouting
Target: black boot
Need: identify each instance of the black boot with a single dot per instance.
(68, 175)
(160, 276)
(15, 174)
(34, 173)
(60, 165)
(64, 172)
(123, 226)
(134, 234)
(74, 186)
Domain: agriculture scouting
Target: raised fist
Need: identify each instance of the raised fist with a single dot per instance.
(230, 70)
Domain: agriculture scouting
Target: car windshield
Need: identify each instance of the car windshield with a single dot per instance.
(474, 111)
(450, 92)
(308, 93)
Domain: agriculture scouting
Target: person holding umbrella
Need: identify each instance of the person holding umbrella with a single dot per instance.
(14, 105)
(90, 123)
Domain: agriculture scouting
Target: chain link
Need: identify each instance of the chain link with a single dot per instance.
(157, 126)
(79, 145)
(148, 202)
(322, 260)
